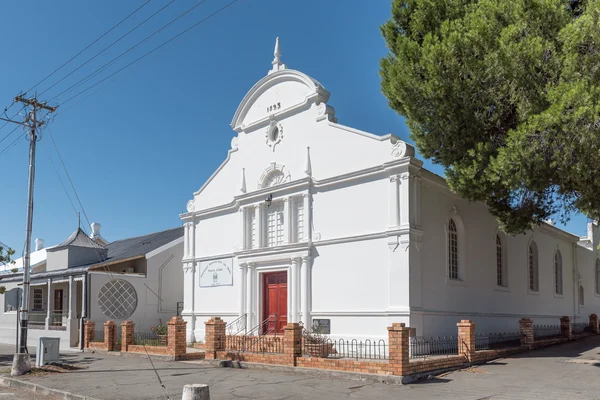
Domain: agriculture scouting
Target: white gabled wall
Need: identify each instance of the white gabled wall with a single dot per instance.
(495, 309)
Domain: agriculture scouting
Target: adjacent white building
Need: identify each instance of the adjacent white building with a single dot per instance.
(311, 221)
(83, 277)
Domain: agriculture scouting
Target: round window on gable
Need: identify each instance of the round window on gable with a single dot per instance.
(274, 134)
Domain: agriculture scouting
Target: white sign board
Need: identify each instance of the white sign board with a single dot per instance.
(216, 272)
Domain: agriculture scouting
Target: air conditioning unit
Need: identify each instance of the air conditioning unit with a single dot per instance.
(128, 270)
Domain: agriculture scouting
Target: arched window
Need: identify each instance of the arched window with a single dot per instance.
(500, 278)
(533, 275)
(558, 273)
(598, 276)
(581, 296)
(452, 250)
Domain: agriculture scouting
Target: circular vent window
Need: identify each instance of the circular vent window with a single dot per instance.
(117, 299)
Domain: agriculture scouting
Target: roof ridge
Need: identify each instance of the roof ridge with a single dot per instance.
(147, 234)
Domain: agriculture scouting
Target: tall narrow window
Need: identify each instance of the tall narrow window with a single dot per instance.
(558, 273)
(500, 279)
(299, 231)
(38, 299)
(452, 250)
(533, 268)
(581, 297)
(250, 228)
(274, 224)
(598, 276)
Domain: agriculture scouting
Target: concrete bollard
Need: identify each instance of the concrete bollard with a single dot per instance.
(196, 391)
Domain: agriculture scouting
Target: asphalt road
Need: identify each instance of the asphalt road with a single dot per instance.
(567, 371)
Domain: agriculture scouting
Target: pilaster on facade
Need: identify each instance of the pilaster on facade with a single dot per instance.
(307, 222)
(306, 291)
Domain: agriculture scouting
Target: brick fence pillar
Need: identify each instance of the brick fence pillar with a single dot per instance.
(566, 327)
(214, 337)
(466, 339)
(127, 332)
(526, 327)
(292, 342)
(176, 340)
(110, 335)
(89, 333)
(594, 324)
(398, 339)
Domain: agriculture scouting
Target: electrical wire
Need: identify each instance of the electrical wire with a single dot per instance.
(63, 185)
(7, 122)
(13, 143)
(89, 45)
(97, 71)
(108, 47)
(152, 51)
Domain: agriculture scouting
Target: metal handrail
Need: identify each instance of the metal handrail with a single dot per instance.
(256, 338)
(241, 320)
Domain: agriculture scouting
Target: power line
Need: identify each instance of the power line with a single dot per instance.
(13, 143)
(153, 50)
(108, 47)
(6, 123)
(88, 46)
(63, 185)
(97, 71)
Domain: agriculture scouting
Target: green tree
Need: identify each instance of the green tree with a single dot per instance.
(505, 95)
(6, 255)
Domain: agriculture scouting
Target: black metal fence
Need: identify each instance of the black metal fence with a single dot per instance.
(421, 347)
(149, 339)
(256, 344)
(580, 327)
(490, 341)
(345, 348)
(118, 329)
(98, 335)
(546, 332)
(237, 326)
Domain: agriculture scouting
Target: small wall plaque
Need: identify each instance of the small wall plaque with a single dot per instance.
(322, 326)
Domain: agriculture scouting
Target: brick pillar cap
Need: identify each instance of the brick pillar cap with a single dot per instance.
(88, 322)
(525, 320)
(594, 315)
(176, 320)
(107, 323)
(565, 318)
(214, 320)
(127, 322)
(292, 325)
(467, 322)
(397, 326)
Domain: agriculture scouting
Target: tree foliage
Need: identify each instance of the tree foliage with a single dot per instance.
(6, 255)
(505, 95)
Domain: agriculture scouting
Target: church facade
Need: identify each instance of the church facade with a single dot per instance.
(311, 221)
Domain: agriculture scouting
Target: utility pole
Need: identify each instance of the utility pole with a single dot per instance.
(21, 361)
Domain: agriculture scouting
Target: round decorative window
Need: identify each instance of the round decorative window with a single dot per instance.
(274, 134)
(117, 299)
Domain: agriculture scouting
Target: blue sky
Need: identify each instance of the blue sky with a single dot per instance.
(138, 146)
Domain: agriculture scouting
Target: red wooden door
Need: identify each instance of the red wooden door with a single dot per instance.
(275, 302)
(58, 306)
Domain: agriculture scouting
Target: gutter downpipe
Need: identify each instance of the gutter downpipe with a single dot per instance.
(575, 283)
(84, 306)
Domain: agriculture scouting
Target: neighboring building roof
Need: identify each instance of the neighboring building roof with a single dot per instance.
(118, 250)
(139, 246)
(80, 239)
(35, 258)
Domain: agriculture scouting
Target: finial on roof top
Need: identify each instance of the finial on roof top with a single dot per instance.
(277, 64)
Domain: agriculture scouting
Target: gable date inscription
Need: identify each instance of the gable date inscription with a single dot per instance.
(274, 107)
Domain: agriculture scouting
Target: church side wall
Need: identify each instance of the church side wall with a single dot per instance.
(477, 296)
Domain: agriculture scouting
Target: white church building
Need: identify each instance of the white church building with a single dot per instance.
(308, 220)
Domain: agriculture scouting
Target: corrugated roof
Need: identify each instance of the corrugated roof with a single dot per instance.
(117, 250)
(79, 239)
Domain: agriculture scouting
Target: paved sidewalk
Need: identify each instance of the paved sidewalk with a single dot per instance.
(550, 373)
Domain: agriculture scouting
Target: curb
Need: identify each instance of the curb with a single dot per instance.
(44, 390)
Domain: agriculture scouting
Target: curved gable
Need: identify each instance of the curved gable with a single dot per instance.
(275, 94)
